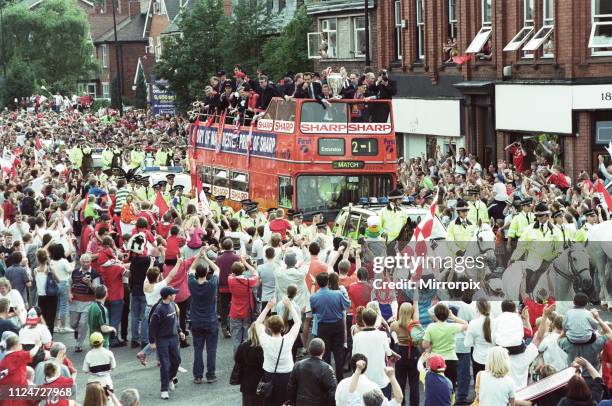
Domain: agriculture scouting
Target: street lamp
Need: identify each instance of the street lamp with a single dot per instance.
(118, 60)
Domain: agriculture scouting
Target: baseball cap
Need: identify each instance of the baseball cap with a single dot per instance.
(436, 363)
(96, 338)
(32, 318)
(167, 291)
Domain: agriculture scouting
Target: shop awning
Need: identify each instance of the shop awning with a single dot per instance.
(427, 117)
(540, 108)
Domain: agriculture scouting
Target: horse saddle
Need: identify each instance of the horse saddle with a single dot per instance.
(533, 276)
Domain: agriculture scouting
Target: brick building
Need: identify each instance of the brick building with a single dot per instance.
(540, 71)
(338, 34)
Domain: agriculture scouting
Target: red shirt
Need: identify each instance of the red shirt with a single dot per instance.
(559, 179)
(148, 236)
(360, 294)
(86, 235)
(113, 280)
(242, 295)
(59, 382)
(105, 255)
(180, 281)
(315, 268)
(280, 226)
(606, 365)
(173, 246)
(14, 364)
(163, 229)
(517, 158)
(536, 310)
(101, 224)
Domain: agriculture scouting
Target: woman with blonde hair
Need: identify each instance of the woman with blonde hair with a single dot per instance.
(494, 386)
(96, 395)
(408, 329)
(249, 358)
(381, 324)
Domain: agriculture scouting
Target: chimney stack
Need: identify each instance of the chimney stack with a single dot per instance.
(133, 7)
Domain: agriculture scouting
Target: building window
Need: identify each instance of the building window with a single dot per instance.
(487, 12)
(544, 36)
(106, 90)
(420, 29)
(239, 186)
(481, 45)
(285, 192)
(151, 47)
(359, 40)
(525, 32)
(156, 7)
(328, 38)
(104, 51)
(158, 49)
(91, 90)
(398, 29)
(600, 40)
(452, 19)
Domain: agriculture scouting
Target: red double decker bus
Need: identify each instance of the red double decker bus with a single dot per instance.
(301, 154)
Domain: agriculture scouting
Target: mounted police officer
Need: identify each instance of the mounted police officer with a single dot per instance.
(521, 221)
(540, 243)
(566, 230)
(460, 231)
(591, 219)
(478, 211)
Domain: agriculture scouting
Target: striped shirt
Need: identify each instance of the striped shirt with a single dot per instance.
(120, 198)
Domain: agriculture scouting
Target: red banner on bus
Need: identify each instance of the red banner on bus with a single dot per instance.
(344, 128)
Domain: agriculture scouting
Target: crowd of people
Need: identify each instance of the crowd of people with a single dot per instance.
(99, 253)
(241, 99)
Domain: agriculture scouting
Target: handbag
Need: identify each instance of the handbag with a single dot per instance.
(236, 374)
(265, 388)
(51, 288)
(476, 401)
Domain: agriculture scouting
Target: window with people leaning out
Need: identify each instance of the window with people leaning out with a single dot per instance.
(544, 152)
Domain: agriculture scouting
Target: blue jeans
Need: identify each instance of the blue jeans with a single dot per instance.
(238, 328)
(115, 309)
(169, 359)
(62, 301)
(144, 327)
(140, 329)
(463, 377)
(205, 337)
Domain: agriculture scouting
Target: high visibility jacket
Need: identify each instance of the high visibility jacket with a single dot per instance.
(136, 158)
(161, 157)
(540, 243)
(76, 157)
(519, 223)
(478, 211)
(459, 234)
(581, 234)
(392, 222)
(107, 158)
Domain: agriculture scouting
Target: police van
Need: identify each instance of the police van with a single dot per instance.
(353, 219)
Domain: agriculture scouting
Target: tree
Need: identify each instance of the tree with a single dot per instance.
(140, 101)
(189, 60)
(115, 93)
(52, 41)
(19, 82)
(288, 52)
(250, 24)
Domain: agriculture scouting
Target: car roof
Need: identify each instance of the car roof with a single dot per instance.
(377, 208)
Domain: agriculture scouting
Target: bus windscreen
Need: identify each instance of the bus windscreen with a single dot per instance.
(330, 193)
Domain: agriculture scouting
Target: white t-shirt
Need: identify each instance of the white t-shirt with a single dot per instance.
(552, 353)
(19, 230)
(271, 348)
(519, 365)
(41, 283)
(495, 391)
(344, 398)
(155, 294)
(38, 334)
(102, 359)
(474, 337)
(508, 330)
(62, 268)
(243, 237)
(16, 301)
(257, 249)
(374, 345)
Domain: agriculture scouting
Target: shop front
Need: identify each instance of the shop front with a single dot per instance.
(564, 124)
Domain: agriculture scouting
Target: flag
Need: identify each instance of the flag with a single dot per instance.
(601, 189)
(220, 131)
(250, 142)
(201, 196)
(85, 202)
(461, 59)
(38, 144)
(161, 204)
(194, 128)
(418, 242)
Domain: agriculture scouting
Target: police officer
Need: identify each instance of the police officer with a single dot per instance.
(312, 231)
(478, 211)
(428, 199)
(393, 218)
(170, 179)
(250, 218)
(76, 154)
(460, 231)
(298, 227)
(145, 192)
(163, 155)
(179, 201)
(591, 220)
(107, 156)
(164, 334)
(521, 221)
(137, 156)
(540, 242)
(242, 212)
(567, 234)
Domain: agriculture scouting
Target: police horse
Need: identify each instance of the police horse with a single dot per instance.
(599, 247)
(569, 273)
